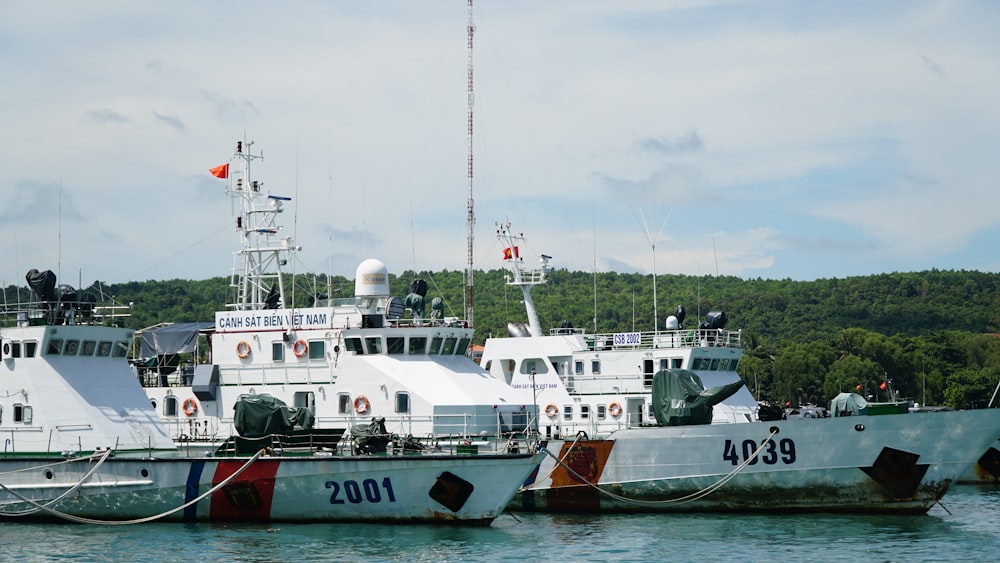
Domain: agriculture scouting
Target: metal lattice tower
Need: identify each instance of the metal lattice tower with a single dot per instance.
(470, 219)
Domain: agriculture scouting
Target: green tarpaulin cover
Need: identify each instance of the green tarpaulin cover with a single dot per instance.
(848, 404)
(680, 398)
(260, 415)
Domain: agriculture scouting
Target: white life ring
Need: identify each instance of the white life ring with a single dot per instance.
(551, 411)
(190, 407)
(361, 404)
(243, 349)
(614, 409)
(300, 348)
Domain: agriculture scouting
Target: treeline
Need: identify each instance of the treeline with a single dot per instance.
(932, 336)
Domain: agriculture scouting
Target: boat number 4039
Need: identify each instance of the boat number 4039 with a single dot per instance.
(355, 493)
(774, 451)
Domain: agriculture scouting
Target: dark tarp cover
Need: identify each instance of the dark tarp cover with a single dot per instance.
(260, 415)
(177, 338)
(680, 398)
(848, 404)
(372, 437)
(42, 283)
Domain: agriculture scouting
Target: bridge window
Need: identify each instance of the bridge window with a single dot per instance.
(55, 347)
(395, 345)
(88, 348)
(72, 346)
(374, 344)
(104, 349)
(418, 345)
(120, 350)
(536, 365)
(354, 345)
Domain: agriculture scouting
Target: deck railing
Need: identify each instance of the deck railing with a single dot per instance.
(681, 338)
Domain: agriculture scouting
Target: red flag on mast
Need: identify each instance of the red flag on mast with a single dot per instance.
(882, 386)
(221, 171)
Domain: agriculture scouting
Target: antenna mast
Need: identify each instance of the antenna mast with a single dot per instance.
(652, 243)
(470, 218)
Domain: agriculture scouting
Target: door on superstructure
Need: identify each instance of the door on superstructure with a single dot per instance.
(648, 369)
(633, 408)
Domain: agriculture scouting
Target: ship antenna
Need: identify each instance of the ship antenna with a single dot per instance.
(594, 225)
(295, 216)
(470, 219)
(652, 243)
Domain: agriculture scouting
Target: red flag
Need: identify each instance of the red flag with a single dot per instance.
(858, 387)
(506, 253)
(882, 386)
(516, 253)
(221, 171)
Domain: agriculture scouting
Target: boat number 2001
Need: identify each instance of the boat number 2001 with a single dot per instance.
(776, 450)
(353, 492)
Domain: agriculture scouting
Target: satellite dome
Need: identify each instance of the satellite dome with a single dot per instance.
(371, 279)
(672, 323)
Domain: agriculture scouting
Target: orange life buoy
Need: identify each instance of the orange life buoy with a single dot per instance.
(243, 349)
(551, 410)
(361, 404)
(300, 347)
(190, 407)
(614, 409)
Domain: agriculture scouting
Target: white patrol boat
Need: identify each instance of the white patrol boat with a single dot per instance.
(82, 442)
(599, 383)
(660, 422)
(346, 360)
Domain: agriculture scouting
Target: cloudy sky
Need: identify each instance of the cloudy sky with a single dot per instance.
(768, 139)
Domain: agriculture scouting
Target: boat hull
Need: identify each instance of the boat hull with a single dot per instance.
(987, 469)
(886, 464)
(421, 488)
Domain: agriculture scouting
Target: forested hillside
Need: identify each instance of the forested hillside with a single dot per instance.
(932, 334)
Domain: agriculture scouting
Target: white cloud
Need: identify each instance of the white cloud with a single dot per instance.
(806, 140)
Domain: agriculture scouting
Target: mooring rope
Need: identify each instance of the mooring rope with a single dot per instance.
(83, 520)
(54, 463)
(697, 495)
(68, 492)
